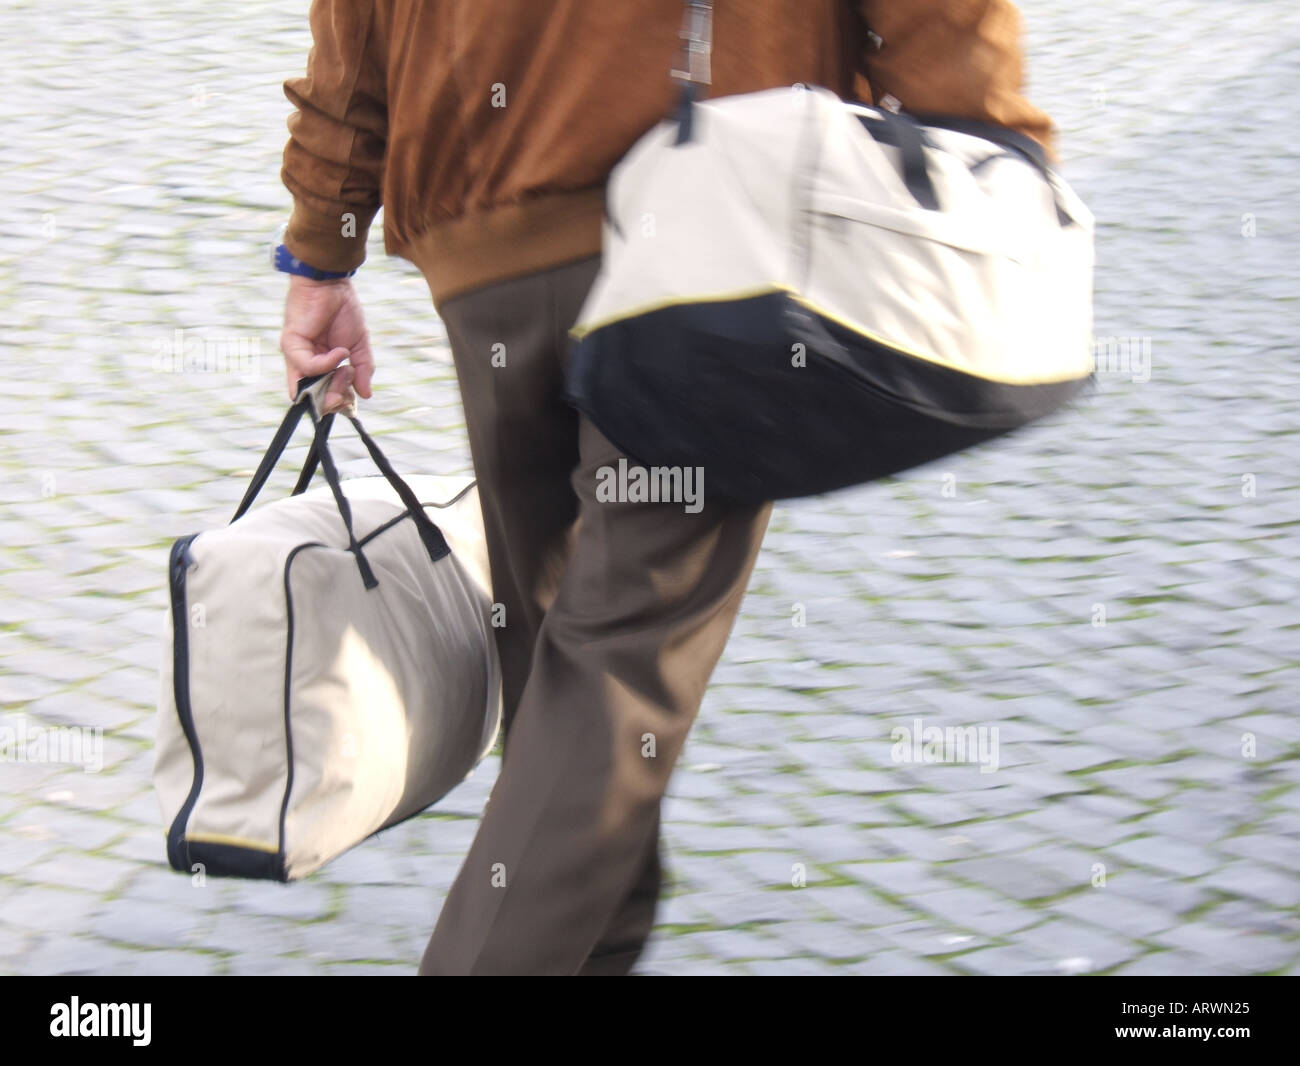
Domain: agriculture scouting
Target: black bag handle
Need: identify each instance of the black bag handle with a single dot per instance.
(273, 452)
(310, 463)
(906, 132)
(345, 509)
(319, 454)
(430, 534)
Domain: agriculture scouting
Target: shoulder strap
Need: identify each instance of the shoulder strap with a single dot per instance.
(694, 61)
(694, 66)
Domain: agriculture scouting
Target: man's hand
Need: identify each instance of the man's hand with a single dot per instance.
(323, 326)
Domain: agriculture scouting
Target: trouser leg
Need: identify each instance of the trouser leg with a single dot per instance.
(507, 340)
(623, 940)
(623, 656)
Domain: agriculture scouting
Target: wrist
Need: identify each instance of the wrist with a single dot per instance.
(299, 281)
(287, 263)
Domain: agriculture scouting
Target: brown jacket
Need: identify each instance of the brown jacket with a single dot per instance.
(487, 128)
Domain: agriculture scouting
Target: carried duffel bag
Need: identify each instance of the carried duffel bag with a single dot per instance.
(329, 667)
(799, 293)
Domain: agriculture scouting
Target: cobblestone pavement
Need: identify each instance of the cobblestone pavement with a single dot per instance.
(138, 188)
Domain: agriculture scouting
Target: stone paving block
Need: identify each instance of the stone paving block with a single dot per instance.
(1159, 890)
(1077, 948)
(1013, 877)
(253, 964)
(793, 967)
(400, 905)
(1249, 953)
(46, 909)
(71, 869)
(18, 853)
(679, 809)
(1177, 964)
(1270, 850)
(1252, 881)
(684, 907)
(1069, 821)
(827, 939)
(706, 968)
(895, 964)
(1195, 827)
(1171, 856)
(713, 838)
(842, 810)
(167, 964)
(854, 904)
(1143, 783)
(239, 934)
(924, 843)
(332, 942)
(63, 954)
(1008, 798)
(976, 911)
(444, 835)
(302, 901)
(14, 945)
(769, 869)
(903, 878)
(1119, 808)
(1066, 757)
(1001, 961)
(1246, 914)
(731, 945)
(369, 864)
(157, 925)
(826, 843)
(924, 936)
(1109, 910)
(156, 882)
(352, 969)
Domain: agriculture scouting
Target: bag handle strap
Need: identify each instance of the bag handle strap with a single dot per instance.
(695, 60)
(430, 534)
(310, 463)
(694, 66)
(273, 452)
(345, 509)
(906, 132)
(310, 391)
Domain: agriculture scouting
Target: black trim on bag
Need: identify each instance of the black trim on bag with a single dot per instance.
(230, 860)
(177, 569)
(288, 687)
(710, 385)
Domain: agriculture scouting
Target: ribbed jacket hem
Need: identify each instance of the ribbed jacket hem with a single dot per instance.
(506, 242)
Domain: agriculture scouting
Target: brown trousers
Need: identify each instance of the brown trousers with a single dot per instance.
(616, 614)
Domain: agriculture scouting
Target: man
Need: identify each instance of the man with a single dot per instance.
(487, 129)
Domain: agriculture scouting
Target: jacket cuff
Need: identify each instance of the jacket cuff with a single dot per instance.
(328, 241)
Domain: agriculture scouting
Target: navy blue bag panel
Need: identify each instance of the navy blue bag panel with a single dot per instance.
(716, 385)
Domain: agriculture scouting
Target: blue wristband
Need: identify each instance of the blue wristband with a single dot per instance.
(286, 263)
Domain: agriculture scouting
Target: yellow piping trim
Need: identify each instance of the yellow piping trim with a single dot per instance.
(238, 842)
(578, 332)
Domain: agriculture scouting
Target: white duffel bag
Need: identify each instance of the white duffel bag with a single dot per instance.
(328, 668)
(800, 293)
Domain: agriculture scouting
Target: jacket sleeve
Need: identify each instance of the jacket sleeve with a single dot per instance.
(334, 160)
(953, 57)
